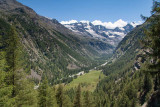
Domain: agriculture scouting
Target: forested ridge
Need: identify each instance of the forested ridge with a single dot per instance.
(52, 49)
(132, 75)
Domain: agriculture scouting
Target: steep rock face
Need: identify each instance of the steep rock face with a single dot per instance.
(111, 36)
(51, 48)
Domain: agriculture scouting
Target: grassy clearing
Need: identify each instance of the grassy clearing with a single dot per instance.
(88, 81)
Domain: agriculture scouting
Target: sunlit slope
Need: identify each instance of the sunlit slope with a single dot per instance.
(88, 81)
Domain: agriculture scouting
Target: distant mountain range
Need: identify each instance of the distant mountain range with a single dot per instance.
(111, 33)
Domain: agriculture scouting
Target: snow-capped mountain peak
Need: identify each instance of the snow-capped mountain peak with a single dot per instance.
(110, 32)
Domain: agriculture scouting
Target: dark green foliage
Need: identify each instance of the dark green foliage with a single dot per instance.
(63, 100)
(46, 95)
(43, 93)
(60, 96)
(125, 86)
(12, 58)
(87, 99)
(26, 95)
(152, 43)
(78, 99)
(5, 90)
(15, 89)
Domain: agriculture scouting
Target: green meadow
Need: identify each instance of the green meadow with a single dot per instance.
(88, 81)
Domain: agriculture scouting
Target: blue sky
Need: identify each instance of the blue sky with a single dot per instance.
(104, 10)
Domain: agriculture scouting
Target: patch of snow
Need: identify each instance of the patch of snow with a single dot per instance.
(121, 28)
(112, 34)
(48, 18)
(134, 24)
(118, 33)
(84, 21)
(93, 33)
(71, 27)
(79, 24)
(107, 33)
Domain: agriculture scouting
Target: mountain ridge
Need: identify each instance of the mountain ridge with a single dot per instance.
(99, 30)
(52, 49)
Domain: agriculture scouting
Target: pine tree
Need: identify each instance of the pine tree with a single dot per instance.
(77, 101)
(5, 91)
(12, 58)
(22, 93)
(52, 97)
(87, 99)
(60, 96)
(26, 95)
(67, 101)
(147, 83)
(152, 43)
(123, 101)
(43, 94)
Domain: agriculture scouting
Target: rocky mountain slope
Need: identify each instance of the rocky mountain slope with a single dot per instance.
(52, 49)
(127, 73)
(128, 51)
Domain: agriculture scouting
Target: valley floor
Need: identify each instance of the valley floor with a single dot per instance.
(88, 81)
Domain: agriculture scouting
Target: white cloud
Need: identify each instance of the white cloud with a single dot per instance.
(120, 23)
(97, 22)
(84, 21)
(69, 22)
(110, 25)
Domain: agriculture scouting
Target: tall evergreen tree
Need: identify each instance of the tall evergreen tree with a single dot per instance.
(87, 99)
(77, 101)
(152, 43)
(60, 96)
(5, 91)
(44, 94)
(22, 93)
(26, 95)
(52, 97)
(13, 59)
(152, 48)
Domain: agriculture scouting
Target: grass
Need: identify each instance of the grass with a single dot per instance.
(88, 81)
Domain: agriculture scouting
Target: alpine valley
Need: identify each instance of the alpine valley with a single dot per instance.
(46, 63)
